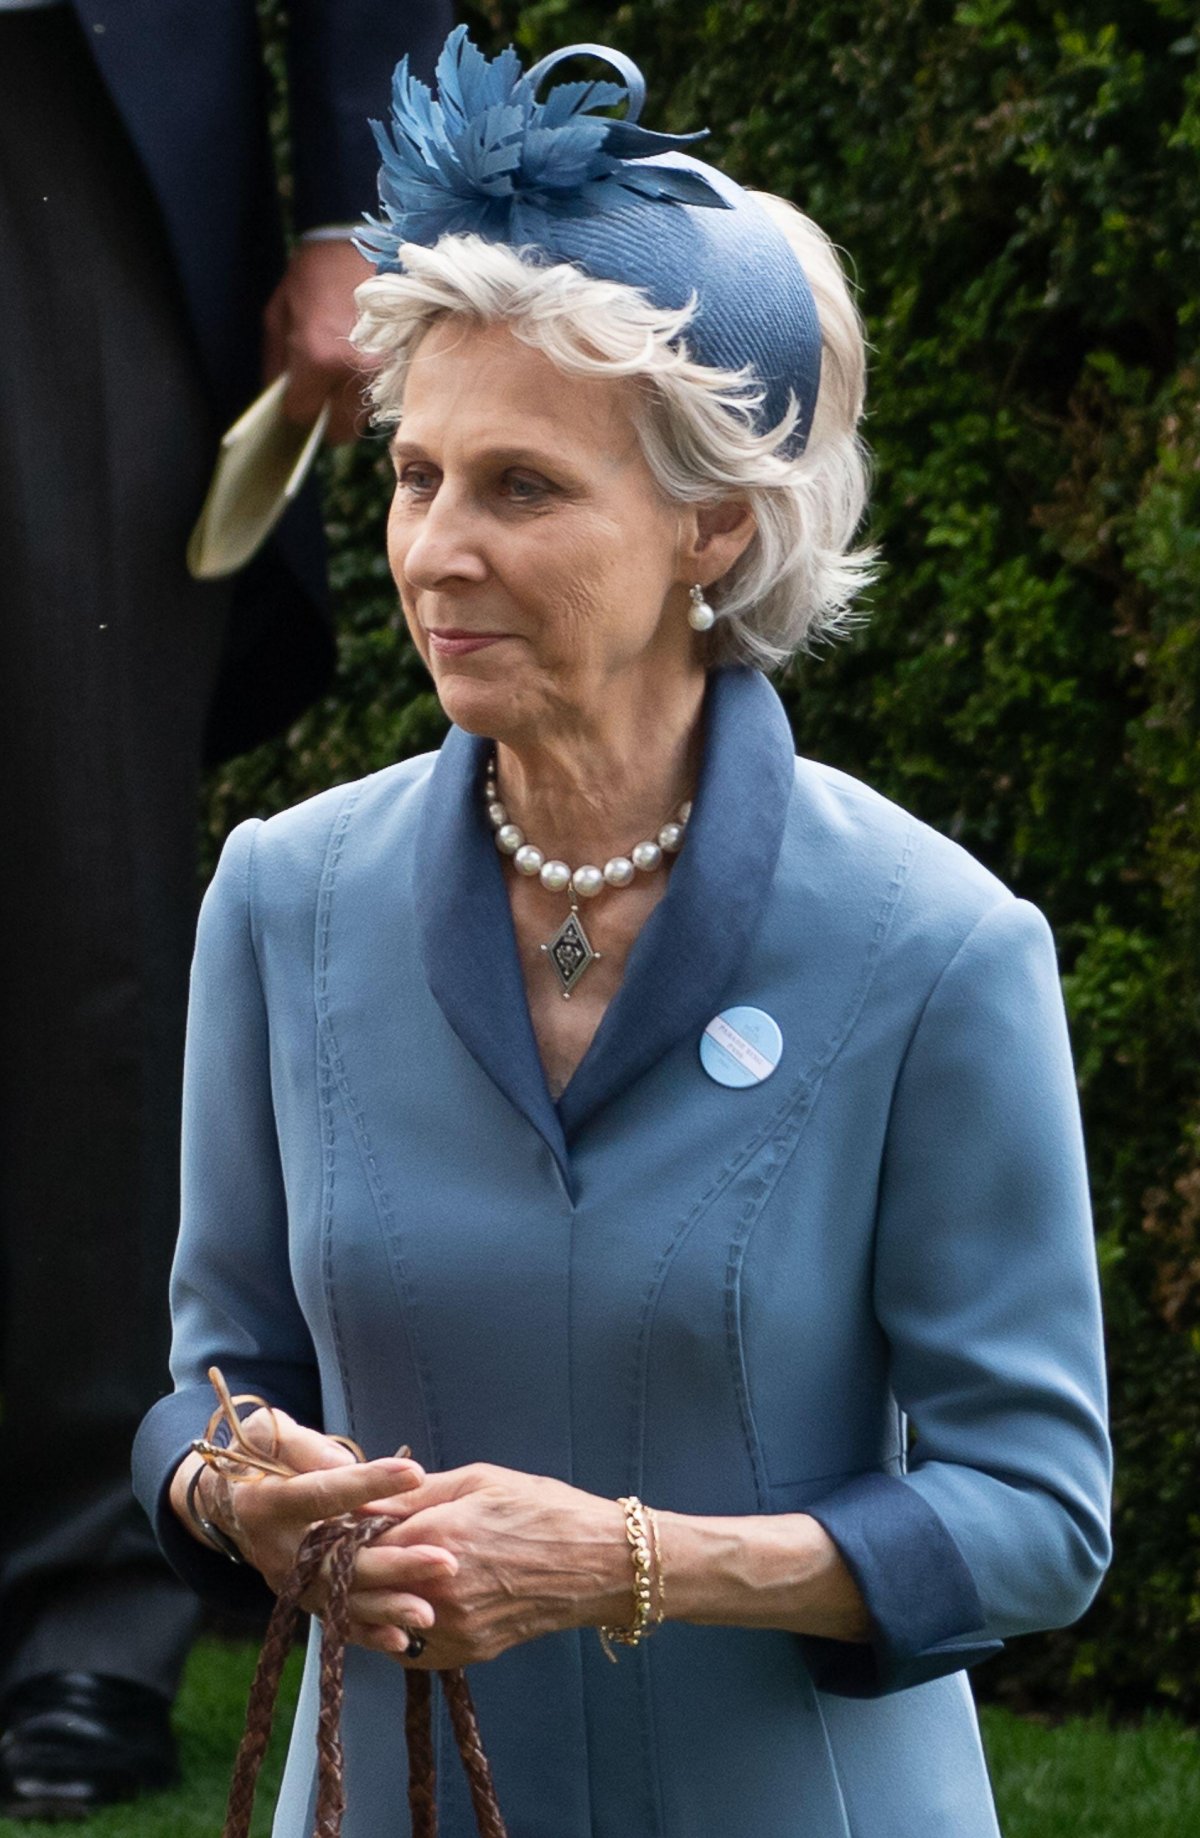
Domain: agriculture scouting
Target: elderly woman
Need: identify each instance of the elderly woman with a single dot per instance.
(615, 1107)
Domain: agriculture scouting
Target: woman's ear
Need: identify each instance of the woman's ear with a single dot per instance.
(713, 537)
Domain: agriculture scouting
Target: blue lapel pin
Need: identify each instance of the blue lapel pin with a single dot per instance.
(740, 1047)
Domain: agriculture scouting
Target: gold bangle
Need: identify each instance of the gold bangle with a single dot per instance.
(643, 1571)
(660, 1593)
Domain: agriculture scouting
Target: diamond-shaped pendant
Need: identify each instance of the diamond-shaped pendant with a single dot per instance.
(570, 951)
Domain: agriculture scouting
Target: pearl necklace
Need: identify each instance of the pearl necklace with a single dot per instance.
(570, 951)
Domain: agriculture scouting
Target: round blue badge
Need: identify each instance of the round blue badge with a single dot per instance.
(741, 1046)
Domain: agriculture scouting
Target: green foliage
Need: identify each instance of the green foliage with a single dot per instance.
(1017, 188)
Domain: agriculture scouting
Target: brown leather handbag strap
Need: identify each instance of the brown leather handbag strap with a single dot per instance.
(340, 1540)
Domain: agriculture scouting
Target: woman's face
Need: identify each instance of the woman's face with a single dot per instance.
(538, 565)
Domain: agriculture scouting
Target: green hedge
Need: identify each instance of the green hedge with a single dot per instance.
(1017, 186)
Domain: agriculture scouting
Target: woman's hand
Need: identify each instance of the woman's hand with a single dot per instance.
(535, 1555)
(532, 1555)
(268, 1517)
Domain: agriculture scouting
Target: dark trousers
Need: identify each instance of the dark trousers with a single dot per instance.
(108, 656)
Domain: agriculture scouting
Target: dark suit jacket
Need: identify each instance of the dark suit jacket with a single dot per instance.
(188, 78)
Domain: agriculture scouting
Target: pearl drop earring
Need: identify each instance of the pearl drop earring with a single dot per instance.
(701, 617)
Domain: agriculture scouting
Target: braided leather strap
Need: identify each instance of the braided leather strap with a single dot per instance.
(418, 1733)
(340, 1540)
(474, 1761)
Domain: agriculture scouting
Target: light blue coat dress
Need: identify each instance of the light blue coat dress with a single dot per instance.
(727, 1301)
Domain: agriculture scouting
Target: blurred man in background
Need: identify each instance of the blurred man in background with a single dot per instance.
(144, 294)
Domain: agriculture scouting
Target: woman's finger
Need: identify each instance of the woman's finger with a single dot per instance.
(451, 1484)
(294, 1444)
(262, 1429)
(307, 1450)
(326, 1493)
(297, 1446)
(391, 1640)
(390, 1608)
(388, 1566)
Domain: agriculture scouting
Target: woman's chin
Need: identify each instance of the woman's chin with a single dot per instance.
(474, 701)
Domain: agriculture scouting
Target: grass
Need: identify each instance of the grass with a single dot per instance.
(1085, 1779)
(1081, 1779)
(209, 1715)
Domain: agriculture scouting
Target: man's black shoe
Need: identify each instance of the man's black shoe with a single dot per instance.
(74, 1741)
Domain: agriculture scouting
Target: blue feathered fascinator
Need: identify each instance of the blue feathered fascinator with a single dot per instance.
(486, 157)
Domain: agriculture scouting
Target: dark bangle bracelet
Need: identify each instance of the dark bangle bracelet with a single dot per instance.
(212, 1532)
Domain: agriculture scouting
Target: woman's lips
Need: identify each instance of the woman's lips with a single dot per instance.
(448, 643)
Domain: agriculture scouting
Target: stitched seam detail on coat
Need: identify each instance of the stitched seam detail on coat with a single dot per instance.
(871, 956)
(384, 1212)
(783, 1150)
(801, 1092)
(752, 1212)
(798, 1093)
(653, 1747)
(326, 1067)
(941, 976)
(401, 1276)
(901, 1067)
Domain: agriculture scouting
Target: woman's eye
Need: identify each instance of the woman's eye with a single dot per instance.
(421, 481)
(525, 489)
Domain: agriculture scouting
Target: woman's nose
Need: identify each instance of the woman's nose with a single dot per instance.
(444, 543)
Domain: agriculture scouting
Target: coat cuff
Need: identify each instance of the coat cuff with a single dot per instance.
(926, 1615)
(164, 1438)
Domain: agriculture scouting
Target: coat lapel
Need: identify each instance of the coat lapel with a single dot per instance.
(698, 934)
(467, 938)
(689, 949)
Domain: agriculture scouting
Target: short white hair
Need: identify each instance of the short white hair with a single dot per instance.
(795, 583)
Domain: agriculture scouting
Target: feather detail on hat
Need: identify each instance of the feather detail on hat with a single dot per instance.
(486, 157)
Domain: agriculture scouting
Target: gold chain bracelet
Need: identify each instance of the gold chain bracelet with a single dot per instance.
(641, 1529)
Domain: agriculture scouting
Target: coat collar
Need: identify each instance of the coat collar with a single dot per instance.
(688, 951)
